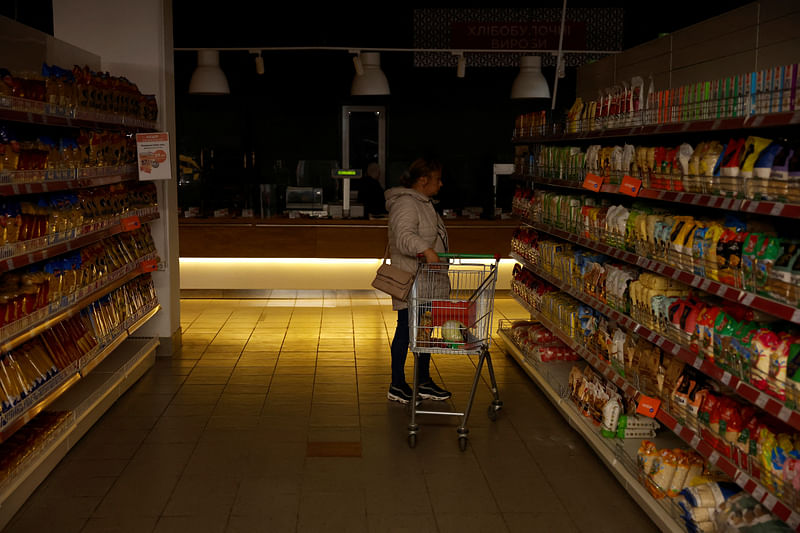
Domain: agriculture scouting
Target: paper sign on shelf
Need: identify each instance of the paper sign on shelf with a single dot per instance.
(131, 223)
(593, 182)
(630, 186)
(150, 265)
(648, 406)
(153, 156)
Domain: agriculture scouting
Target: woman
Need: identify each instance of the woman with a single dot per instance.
(414, 228)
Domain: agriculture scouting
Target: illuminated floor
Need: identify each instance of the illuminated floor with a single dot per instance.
(274, 418)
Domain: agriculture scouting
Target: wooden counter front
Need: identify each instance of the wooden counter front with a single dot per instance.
(323, 238)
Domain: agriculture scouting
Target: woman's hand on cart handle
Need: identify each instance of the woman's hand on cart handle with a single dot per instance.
(429, 255)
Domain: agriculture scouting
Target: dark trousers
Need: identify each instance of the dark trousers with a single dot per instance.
(400, 351)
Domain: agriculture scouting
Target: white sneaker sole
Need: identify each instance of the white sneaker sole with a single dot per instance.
(432, 397)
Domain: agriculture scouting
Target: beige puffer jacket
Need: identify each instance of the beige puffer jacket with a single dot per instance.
(414, 226)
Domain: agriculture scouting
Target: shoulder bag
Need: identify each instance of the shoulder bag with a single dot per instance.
(394, 281)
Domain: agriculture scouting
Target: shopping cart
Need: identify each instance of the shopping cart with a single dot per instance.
(450, 312)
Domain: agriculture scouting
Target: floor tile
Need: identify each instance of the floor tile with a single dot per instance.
(273, 417)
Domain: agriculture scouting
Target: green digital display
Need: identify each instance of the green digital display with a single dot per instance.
(347, 172)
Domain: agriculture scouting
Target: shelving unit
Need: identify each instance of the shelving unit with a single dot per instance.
(748, 477)
(618, 455)
(90, 385)
(778, 507)
(756, 207)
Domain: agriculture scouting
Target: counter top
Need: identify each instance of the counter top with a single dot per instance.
(325, 238)
(283, 221)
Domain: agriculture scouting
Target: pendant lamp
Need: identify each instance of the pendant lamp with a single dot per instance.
(372, 80)
(208, 77)
(530, 82)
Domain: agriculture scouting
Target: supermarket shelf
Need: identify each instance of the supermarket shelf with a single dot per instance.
(40, 249)
(748, 122)
(758, 207)
(37, 182)
(32, 329)
(745, 390)
(781, 509)
(87, 401)
(773, 307)
(35, 112)
(614, 453)
(42, 397)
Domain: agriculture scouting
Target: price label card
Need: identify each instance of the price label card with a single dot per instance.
(131, 223)
(721, 290)
(759, 493)
(726, 378)
(776, 209)
(784, 413)
(593, 182)
(705, 284)
(770, 501)
(151, 265)
(748, 299)
(660, 342)
(762, 400)
(630, 186)
(695, 442)
(713, 458)
(793, 521)
(697, 363)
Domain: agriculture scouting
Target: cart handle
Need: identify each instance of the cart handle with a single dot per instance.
(446, 255)
(469, 256)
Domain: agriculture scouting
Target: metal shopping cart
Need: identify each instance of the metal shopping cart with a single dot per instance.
(450, 312)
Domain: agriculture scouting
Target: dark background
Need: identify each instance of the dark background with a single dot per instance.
(259, 132)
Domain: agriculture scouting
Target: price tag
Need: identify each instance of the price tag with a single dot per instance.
(748, 299)
(697, 363)
(726, 378)
(741, 478)
(695, 442)
(151, 265)
(131, 223)
(641, 261)
(593, 182)
(776, 209)
(630, 186)
(714, 457)
(721, 290)
(660, 342)
(762, 400)
(793, 521)
(705, 284)
(759, 492)
(770, 501)
(796, 316)
(677, 429)
(675, 349)
(784, 413)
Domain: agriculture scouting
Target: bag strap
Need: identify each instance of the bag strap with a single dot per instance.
(386, 253)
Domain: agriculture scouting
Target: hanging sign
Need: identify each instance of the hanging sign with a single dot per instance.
(630, 186)
(153, 156)
(593, 182)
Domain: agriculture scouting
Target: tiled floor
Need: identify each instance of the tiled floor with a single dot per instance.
(274, 418)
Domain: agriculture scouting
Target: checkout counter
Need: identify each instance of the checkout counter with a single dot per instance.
(310, 253)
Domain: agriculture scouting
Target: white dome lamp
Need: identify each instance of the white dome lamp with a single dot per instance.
(530, 82)
(369, 79)
(208, 77)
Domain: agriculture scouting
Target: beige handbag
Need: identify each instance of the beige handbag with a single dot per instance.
(392, 280)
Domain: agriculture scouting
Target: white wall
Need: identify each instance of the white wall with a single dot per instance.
(134, 39)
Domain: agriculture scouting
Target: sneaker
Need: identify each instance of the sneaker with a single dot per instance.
(432, 391)
(401, 394)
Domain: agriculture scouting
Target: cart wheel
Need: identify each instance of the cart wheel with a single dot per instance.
(412, 440)
(492, 412)
(462, 443)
